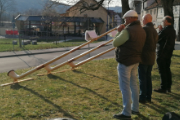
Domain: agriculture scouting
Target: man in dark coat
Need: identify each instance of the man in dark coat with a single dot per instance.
(165, 49)
(148, 60)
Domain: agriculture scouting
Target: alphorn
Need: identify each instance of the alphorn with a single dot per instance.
(70, 61)
(15, 76)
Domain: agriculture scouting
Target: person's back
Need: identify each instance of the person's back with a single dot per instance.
(148, 59)
(130, 52)
(166, 42)
(165, 49)
(149, 49)
(129, 42)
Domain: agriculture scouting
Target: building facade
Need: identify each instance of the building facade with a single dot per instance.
(156, 10)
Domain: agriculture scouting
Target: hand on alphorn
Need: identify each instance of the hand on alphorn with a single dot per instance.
(120, 27)
(160, 27)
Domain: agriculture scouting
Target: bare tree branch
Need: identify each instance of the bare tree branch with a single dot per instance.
(6, 5)
(168, 7)
(85, 6)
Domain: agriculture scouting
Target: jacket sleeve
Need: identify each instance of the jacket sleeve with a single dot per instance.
(167, 41)
(120, 38)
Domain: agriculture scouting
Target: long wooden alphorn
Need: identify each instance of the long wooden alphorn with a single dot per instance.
(15, 76)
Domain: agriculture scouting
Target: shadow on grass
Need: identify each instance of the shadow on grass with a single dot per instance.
(175, 55)
(17, 86)
(157, 108)
(143, 117)
(76, 71)
(54, 76)
(175, 95)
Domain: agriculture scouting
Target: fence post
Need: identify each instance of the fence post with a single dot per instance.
(20, 41)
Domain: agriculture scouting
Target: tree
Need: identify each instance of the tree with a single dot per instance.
(49, 8)
(125, 6)
(34, 11)
(6, 5)
(168, 7)
(52, 8)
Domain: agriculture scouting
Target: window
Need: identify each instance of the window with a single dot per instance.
(151, 12)
(175, 8)
(154, 11)
(174, 25)
(85, 15)
(161, 10)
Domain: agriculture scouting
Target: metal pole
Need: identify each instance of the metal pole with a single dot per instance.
(107, 20)
(20, 40)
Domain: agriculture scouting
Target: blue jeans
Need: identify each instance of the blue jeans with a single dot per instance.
(145, 82)
(128, 86)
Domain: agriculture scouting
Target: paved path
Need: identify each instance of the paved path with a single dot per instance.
(45, 51)
(32, 58)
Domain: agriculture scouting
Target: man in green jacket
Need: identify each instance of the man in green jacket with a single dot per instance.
(129, 41)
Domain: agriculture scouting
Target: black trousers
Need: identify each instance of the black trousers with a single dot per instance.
(165, 72)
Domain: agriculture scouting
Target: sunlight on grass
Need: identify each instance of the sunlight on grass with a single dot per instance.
(89, 93)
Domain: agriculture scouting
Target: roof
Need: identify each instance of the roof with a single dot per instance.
(111, 13)
(59, 19)
(80, 19)
(31, 18)
(158, 3)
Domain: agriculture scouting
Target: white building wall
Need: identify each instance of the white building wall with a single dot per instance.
(176, 17)
(159, 15)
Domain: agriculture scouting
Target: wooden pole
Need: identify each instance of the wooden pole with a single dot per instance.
(93, 57)
(79, 56)
(2, 85)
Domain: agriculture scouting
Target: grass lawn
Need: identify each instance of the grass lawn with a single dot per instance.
(6, 44)
(89, 93)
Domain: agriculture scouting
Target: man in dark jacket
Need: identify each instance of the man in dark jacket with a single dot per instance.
(148, 60)
(165, 49)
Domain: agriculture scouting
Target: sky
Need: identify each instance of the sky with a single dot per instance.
(112, 3)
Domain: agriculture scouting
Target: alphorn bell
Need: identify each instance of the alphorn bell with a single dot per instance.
(15, 76)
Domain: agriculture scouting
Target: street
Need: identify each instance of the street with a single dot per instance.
(21, 62)
(27, 61)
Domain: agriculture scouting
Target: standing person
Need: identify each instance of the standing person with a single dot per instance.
(148, 60)
(129, 41)
(165, 49)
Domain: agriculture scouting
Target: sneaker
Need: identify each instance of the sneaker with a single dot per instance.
(160, 90)
(135, 113)
(121, 116)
